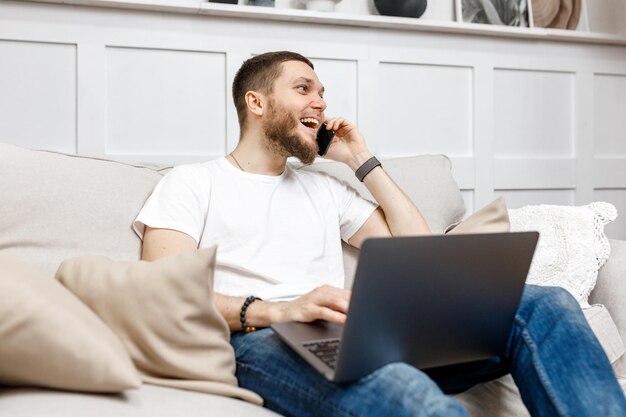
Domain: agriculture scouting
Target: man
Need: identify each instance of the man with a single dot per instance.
(279, 230)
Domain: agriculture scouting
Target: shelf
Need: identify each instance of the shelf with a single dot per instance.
(344, 19)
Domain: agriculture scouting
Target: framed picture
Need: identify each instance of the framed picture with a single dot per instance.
(494, 12)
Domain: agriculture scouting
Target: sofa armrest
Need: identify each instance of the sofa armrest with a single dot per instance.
(610, 289)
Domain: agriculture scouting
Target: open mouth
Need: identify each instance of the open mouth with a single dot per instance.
(310, 122)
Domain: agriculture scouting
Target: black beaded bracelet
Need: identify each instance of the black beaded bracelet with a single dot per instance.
(242, 315)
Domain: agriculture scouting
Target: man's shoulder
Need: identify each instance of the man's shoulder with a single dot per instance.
(329, 173)
(201, 169)
(308, 171)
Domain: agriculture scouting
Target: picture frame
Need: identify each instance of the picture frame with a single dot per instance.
(515, 13)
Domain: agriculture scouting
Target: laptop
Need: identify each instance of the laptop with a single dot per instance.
(428, 301)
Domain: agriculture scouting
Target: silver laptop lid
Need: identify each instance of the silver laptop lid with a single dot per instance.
(433, 300)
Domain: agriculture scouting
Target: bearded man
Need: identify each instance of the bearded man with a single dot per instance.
(279, 234)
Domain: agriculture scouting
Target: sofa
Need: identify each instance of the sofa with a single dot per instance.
(55, 206)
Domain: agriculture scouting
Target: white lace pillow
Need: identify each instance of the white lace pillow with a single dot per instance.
(572, 245)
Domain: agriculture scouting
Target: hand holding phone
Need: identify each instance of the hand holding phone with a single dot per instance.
(324, 139)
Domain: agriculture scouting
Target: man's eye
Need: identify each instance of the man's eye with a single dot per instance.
(302, 88)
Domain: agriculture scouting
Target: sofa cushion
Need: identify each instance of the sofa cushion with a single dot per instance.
(500, 398)
(426, 179)
(50, 339)
(149, 401)
(606, 331)
(163, 313)
(610, 290)
(56, 206)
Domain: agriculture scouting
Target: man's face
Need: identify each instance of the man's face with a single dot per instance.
(295, 112)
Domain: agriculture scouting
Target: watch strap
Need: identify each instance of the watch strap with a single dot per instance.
(366, 168)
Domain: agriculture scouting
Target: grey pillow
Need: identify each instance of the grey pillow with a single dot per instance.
(57, 206)
(426, 179)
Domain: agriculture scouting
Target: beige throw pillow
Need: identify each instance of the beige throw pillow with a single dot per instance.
(164, 314)
(49, 338)
(493, 218)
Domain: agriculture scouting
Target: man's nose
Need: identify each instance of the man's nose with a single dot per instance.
(319, 104)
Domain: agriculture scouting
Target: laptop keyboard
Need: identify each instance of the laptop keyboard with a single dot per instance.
(326, 350)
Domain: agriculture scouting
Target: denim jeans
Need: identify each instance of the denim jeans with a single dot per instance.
(552, 354)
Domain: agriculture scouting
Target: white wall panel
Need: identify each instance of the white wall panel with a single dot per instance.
(535, 173)
(617, 197)
(38, 95)
(424, 109)
(340, 82)
(609, 112)
(519, 198)
(533, 113)
(520, 117)
(609, 173)
(165, 102)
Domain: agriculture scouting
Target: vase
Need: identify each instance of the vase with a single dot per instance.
(321, 5)
(403, 8)
(264, 3)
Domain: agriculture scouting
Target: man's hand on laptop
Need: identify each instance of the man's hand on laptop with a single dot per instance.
(323, 303)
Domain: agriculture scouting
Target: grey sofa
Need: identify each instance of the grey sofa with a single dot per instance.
(55, 206)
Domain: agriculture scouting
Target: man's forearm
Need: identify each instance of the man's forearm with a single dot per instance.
(402, 216)
(259, 314)
(322, 303)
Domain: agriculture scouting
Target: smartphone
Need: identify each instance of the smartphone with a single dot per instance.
(324, 139)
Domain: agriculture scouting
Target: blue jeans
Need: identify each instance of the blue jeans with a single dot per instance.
(552, 354)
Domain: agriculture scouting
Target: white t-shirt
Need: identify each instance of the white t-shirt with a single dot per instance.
(278, 237)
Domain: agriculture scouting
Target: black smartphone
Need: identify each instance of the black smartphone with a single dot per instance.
(324, 139)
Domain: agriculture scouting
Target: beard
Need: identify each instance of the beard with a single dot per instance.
(280, 129)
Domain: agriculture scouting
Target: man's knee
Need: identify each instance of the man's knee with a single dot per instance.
(548, 300)
(396, 376)
(410, 392)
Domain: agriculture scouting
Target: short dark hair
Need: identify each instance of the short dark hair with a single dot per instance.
(258, 74)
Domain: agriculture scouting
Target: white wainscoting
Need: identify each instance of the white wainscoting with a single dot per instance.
(150, 111)
(38, 94)
(534, 119)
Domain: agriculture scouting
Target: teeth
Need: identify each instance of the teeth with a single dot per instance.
(311, 120)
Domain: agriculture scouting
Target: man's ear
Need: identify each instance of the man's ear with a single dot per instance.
(255, 102)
